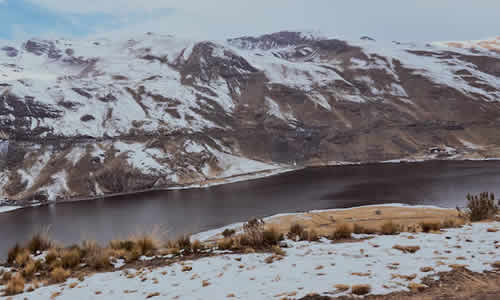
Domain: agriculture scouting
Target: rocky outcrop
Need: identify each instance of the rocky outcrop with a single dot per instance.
(85, 118)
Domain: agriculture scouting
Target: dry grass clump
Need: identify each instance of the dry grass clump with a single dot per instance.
(59, 275)
(30, 269)
(257, 237)
(225, 244)
(342, 287)
(417, 287)
(15, 285)
(492, 230)
(361, 289)
(342, 232)
(278, 251)
(196, 246)
(450, 223)
(430, 226)
(227, 233)
(13, 252)
(39, 242)
(70, 258)
(406, 249)
(496, 265)
(296, 231)
(22, 258)
(390, 228)
(481, 207)
(146, 244)
(96, 257)
(52, 256)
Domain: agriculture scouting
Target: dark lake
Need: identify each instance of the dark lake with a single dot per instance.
(442, 183)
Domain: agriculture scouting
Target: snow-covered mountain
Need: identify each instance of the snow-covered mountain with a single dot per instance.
(80, 118)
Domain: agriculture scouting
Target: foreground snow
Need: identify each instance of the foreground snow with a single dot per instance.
(307, 267)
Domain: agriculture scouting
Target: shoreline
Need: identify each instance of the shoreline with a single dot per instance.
(240, 178)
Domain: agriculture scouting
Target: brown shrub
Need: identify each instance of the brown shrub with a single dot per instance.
(296, 230)
(70, 258)
(30, 269)
(39, 242)
(496, 265)
(6, 277)
(15, 285)
(196, 246)
(271, 237)
(389, 228)
(126, 245)
(361, 289)
(481, 207)
(430, 226)
(146, 244)
(228, 233)
(95, 256)
(342, 232)
(23, 258)
(184, 243)
(59, 275)
(225, 244)
(51, 256)
(13, 252)
(358, 229)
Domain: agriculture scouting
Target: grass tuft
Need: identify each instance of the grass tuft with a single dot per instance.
(342, 232)
(59, 275)
(390, 228)
(39, 242)
(361, 289)
(15, 285)
(430, 226)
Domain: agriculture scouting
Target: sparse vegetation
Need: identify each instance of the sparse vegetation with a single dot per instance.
(390, 228)
(430, 226)
(342, 232)
(59, 275)
(407, 249)
(342, 287)
(481, 207)
(296, 231)
(227, 233)
(15, 285)
(39, 242)
(361, 289)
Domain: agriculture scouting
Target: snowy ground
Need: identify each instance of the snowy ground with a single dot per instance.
(307, 267)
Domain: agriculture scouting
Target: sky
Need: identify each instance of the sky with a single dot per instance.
(401, 20)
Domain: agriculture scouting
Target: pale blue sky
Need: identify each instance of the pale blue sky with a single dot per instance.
(403, 20)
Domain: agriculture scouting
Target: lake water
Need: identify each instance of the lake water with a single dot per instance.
(442, 183)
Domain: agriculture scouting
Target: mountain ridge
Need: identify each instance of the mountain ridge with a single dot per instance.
(83, 118)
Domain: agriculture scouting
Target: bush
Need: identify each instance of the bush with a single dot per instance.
(39, 242)
(430, 226)
(184, 243)
(30, 269)
(23, 258)
(51, 256)
(228, 233)
(196, 246)
(271, 237)
(15, 285)
(13, 252)
(481, 207)
(146, 244)
(296, 230)
(389, 228)
(126, 245)
(70, 258)
(225, 244)
(59, 275)
(361, 289)
(342, 232)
